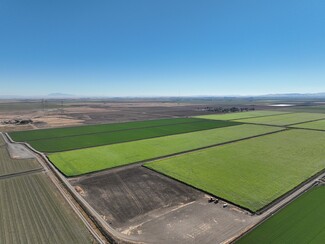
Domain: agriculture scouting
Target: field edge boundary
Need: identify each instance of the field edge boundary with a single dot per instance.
(112, 235)
(274, 212)
(141, 162)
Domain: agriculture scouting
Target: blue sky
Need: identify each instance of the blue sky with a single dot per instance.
(146, 47)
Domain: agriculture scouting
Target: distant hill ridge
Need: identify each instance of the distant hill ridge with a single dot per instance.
(59, 95)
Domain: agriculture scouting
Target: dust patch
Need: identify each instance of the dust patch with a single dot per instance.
(80, 191)
(58, 121)
(18, 151)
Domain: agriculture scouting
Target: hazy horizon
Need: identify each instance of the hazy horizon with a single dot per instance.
(55, 96)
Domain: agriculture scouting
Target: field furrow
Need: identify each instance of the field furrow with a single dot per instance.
(11, 166)
(33, 212)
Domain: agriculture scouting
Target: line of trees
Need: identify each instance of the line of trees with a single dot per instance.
(228, 110)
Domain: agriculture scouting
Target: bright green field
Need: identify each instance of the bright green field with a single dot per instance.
(240, 115)
(301, 222)
(285, 119)
(64, 139)
(83, 161)
(251, 173)
(317, 125)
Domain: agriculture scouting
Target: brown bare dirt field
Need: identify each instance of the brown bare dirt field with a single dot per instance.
(71, 114)
(126, 196)
(153, 208)
(63, 113)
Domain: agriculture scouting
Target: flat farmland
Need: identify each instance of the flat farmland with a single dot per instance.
(33, 211)
(64, 139)
(11, 166)
(91, 129)
(285, 119)
(241, 115)
(153, 208)
(316, 125)
(127, 196)
(2, 141)
(83, 161)
(251, 173)
(300, 222)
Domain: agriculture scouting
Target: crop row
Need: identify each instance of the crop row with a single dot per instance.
(10, 166)
(32, 211)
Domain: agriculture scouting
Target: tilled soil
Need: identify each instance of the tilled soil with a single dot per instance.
(127, 196)
(152, 208)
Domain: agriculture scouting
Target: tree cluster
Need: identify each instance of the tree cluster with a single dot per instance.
(228, 110)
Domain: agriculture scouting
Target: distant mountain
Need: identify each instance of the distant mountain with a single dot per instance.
(320, 95)
(296, 95)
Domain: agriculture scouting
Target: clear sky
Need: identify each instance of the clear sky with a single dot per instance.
(161, 47)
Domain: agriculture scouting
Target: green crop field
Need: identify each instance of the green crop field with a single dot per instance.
(316, 125)
(300, 222)
(241, 115)
(10, 166)
(251, 173)
(307, 109)
(285, 119)
(64, 139)
(83, 161)
(93, 129)
(33, 211)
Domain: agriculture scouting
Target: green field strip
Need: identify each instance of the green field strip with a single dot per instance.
(33, 211)
(302, 221)
(307, 109)
(241, 115)
(250, 173)
(190, 123)
(285, 119)
(315, 125)
(94, 129)
(11, 166)
(93, 140)
(83, 161)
